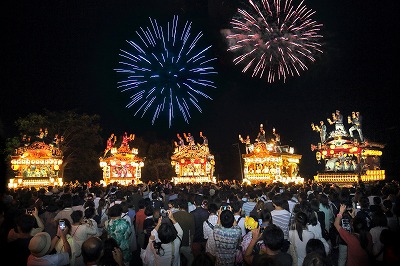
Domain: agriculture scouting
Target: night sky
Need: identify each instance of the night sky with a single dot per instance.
(61, 55)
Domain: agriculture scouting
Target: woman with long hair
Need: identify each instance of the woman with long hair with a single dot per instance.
(299, 237)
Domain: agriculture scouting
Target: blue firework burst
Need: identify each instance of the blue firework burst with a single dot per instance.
(166, 71)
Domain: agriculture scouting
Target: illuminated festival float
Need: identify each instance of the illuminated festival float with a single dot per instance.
(347, 156)
(269, 162)
(193, 162)
(37, 162)
(121, 165)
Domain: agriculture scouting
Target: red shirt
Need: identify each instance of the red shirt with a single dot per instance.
(140, 216)
(356, 255)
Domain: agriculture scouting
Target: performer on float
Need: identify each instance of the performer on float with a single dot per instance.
(321, 129)
(181, 142)
(205, 139)
(277, 140)
(247, 142)
(261, 135)
(110, 143)
(189, 139)
(355, 120)
(126, 139)
(337, 119)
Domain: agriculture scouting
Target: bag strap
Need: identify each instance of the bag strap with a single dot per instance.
(210, 224)
(173, 253)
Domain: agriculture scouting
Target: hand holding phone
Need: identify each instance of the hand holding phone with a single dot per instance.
(61, 224)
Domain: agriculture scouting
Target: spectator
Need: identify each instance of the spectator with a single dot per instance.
(60, 248)
(280, 216)
(119, 229)
(149, 223)
(379, 223)
(227, 236)
(110, 250)
(17, 244)
(38, 225)
(140, 217)
(250, 204)
(65, 213)
(200, 215)
(208, 229)
(186, 221)
(167, 237)
(41, 245)
(358, 243)
(237, 213)
(300, 236)
(271, 253)
(81, 230)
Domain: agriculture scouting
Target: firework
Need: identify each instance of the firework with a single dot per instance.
(273, 38)
(166, 71)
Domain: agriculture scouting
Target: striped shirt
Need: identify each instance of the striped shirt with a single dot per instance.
(281, 218)
(248, 207)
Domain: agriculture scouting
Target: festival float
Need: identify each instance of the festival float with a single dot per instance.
(37, 162)
(192, 162)
(121, 165)
(269, 162)
(347, 156)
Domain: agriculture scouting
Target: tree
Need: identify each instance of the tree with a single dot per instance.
(81, 140)
(157, 165)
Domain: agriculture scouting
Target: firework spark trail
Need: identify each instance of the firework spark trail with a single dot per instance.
(274, 38)
(166, 70)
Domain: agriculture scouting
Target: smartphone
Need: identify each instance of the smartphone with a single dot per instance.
(346, 225)
(61, 224)
(358, 206)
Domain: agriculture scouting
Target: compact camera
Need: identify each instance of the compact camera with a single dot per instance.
(61, 224)
(163, 213)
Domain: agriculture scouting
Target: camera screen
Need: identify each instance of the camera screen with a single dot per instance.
(346, 225)
(61, 223)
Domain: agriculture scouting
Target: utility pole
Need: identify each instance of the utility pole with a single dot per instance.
(240, 160)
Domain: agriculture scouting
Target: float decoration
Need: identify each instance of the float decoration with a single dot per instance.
(347, 156)
(37, 162)
(271, 161)
(192, 162)
(121, 165)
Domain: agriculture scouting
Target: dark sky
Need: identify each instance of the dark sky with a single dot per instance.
(60, 55)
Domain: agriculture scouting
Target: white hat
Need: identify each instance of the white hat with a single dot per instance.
(39, 245)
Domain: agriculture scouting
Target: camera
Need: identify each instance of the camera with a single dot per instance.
(30, 211)
(225, 207)
(61, 224)
(163, 213)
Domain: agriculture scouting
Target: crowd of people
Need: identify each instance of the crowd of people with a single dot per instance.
(161, 223)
